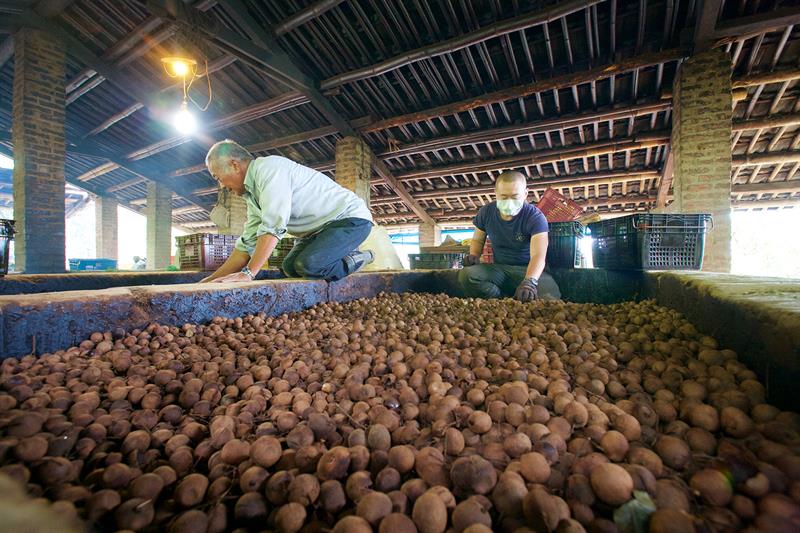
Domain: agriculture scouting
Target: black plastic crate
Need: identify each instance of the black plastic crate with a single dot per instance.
(430, 261)
(651, 241)
(562, 248)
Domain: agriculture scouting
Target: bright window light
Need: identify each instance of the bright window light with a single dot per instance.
(6, 162)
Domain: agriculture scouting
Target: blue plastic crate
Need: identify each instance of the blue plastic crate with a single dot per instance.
(93, 264)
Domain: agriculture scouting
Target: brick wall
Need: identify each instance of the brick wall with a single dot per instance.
(106, 229)
(701, 143)
(159, 225)
(354, 166)
(429, 235)
(38, 139)
(238, 213)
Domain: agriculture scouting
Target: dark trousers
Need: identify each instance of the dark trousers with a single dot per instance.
(323, 255)
(490, 280)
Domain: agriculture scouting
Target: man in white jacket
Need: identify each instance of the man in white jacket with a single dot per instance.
(328, 221)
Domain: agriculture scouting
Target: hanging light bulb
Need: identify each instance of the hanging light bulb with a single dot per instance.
(179, 67)
(184, 121)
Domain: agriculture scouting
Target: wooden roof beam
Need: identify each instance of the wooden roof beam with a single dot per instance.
(451, 141)
(539, 157)
(772, 121)
(460, 42)
(465, 214)
(521, 91)
(744, 27)
(315, 10)
(707, 15)
(665, 180)
(768, 158)
(575, 180)
(6, 50)
(130, 47)
(773, 187)
(778, 76)
(530, 128)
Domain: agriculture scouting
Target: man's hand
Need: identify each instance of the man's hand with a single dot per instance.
(470, 260)
(527, 291)
(236, 277)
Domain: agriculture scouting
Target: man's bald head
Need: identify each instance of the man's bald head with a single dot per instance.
(511, 185)
(512, 176)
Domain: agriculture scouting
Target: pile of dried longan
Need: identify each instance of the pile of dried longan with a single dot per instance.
(403, 413)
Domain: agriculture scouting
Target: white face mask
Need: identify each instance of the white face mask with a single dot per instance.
(510, 207)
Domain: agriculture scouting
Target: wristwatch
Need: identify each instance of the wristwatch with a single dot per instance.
(246, 270)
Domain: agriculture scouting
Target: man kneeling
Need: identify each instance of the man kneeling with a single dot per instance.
(329, 221)
(518, 231)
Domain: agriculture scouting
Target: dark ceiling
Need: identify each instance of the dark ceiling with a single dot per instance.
(446, 92)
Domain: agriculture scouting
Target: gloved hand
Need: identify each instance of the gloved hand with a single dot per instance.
(470, 260)
(528, 290)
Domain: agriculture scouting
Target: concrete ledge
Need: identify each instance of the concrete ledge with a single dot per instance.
(757, 317)
(86, 281)
(40, 323)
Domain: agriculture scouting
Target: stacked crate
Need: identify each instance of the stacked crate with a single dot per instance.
(204, 251)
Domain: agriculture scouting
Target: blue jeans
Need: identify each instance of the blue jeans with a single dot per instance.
(491, 280)
(324, 254)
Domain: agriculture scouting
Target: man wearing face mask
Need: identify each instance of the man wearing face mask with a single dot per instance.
(518, 231)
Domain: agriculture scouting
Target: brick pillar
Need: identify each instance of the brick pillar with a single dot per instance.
(354, 166)
(38, 138)
(159, 225)
(237, 209)
(701, 143)
(429, 235)
(106, 230)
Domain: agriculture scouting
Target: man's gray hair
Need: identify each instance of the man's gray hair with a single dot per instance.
(226, 150)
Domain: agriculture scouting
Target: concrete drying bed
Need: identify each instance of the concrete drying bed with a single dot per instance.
(757, 317)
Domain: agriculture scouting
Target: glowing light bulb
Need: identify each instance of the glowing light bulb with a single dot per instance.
(184, 121)
(180, 68)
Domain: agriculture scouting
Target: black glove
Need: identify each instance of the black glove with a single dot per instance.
(470, 260)
(527, 291)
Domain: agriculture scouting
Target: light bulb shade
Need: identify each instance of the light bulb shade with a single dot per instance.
(179, 67)
(184, 121)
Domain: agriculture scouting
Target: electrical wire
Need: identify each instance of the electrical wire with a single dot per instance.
(210, 94)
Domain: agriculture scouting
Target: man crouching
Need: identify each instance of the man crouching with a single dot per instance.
(518, 231)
